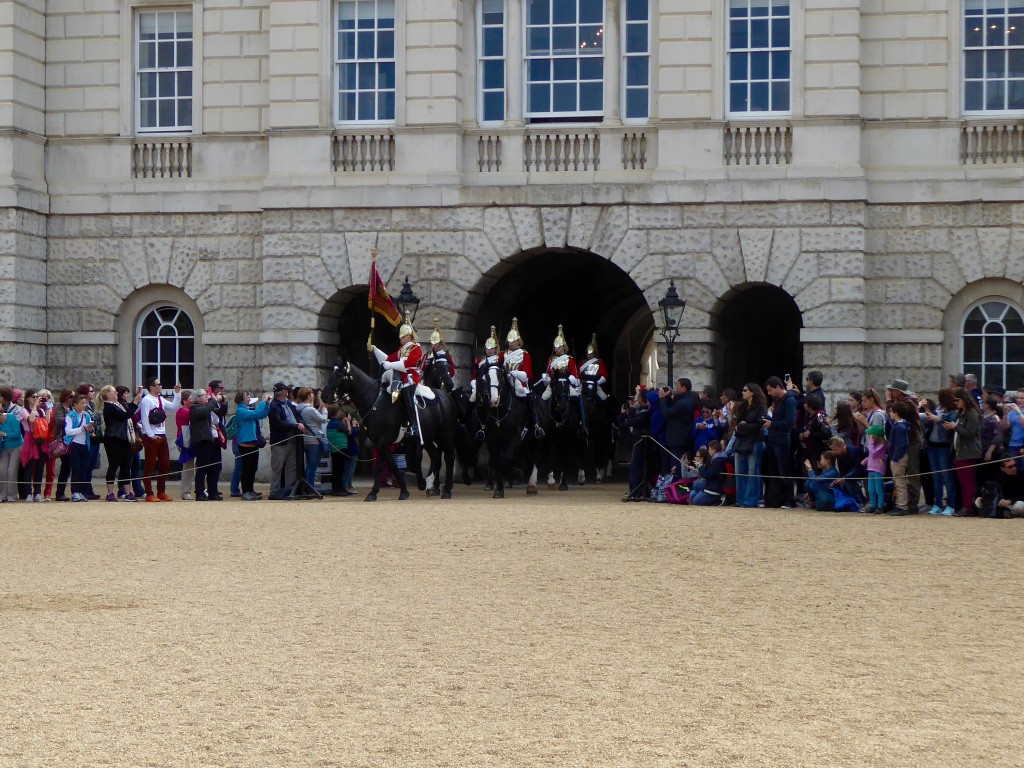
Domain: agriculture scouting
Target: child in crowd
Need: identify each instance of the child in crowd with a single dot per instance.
(875, 462)
(819, 484)
(709, 488)
(899, 458)
(705, 428)
(338, 430)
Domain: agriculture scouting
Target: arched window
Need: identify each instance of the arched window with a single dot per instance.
(165, 346)
(992, 343)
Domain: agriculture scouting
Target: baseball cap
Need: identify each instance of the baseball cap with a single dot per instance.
(280, 387)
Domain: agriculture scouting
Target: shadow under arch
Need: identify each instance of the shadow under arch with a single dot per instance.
(346, 313)
(580, 290)
(757, 335)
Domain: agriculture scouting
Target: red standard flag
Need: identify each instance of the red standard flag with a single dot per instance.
(379, 301)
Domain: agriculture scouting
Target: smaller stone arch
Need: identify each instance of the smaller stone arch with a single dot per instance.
(138, 304)
(756, 334)
(975, 294)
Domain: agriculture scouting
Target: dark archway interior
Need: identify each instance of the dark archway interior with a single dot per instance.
(353, 326)
(583, 292)
(758, 336)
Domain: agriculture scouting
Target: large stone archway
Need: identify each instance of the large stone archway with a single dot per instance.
(583, 292)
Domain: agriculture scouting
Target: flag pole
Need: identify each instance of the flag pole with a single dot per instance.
(373, 312)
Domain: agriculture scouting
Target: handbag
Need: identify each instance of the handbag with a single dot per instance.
(158, 415)
(221, 437)
(743, 444)
(133, 437)
(57, 448)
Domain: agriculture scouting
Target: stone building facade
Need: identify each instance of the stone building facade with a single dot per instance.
(859, 225)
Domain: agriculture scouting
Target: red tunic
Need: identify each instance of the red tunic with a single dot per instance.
(518, 360)
(411, 354)
(559, 365)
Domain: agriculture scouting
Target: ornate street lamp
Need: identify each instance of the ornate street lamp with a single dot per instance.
(672, 307)
(408, 302)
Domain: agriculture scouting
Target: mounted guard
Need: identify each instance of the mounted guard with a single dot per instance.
(563, 365)
(519, 366)
(594, 371)
(440, 356)
(404, 365)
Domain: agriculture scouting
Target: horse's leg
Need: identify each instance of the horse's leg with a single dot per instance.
(448, 453)
(389, 461)
(430, 481)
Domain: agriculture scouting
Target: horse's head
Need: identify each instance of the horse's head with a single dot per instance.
(492, 385)
(438, 376)
(339, 381)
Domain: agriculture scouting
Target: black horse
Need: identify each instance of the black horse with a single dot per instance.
(437, 375)
(384, 419)
(565, 436)
(600, 429)
(504, 419)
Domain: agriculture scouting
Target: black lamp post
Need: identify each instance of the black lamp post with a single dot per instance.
(672, 307)
(408, 302)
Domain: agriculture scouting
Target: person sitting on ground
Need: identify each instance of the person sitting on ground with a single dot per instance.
(709, 489)
(819, 484)
(1003, 496)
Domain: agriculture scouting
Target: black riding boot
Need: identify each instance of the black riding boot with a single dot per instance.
(583, 416)
(533, 410)
(409, 396)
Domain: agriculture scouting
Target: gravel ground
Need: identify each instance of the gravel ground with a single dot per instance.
(567, 629)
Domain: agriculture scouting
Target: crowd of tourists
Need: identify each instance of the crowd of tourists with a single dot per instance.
(960, 454)
(50, 445)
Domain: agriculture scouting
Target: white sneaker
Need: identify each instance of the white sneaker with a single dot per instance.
(78, 497)
(38, 498)
(29, 499)
(936, 510)
(187, 496)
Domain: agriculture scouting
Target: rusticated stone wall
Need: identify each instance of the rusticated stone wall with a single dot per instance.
(872, 282)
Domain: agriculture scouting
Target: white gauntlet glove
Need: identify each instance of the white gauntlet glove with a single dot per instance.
(573, 381)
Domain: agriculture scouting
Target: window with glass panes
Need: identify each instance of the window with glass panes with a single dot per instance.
(759, 56)
(993, 55)
(992, 344)
(491, 69)
(164, 73)
(165, 347)
(564, 52)
(365, 61)
(637, 54)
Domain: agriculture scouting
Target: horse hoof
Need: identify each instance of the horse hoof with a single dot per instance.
(551, 486)
(446, 494)
(430, 492)
(564, 486)
(489, 487)
(499, 494)
(370, 497)
(403, 496)
(421, 484)
(531, 490)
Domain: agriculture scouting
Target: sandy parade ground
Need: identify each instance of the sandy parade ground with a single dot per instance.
(567, 629)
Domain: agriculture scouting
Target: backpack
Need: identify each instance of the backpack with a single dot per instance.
(41, 429)
(231, 428)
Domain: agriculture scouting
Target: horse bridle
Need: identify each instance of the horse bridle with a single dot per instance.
(481, 378)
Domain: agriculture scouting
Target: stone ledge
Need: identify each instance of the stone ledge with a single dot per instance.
(827, 335)
(905, 336)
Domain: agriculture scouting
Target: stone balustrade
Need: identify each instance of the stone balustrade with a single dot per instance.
(991, 143)
(549, 149)
(161, 159)
(757, 144)
(363, 151)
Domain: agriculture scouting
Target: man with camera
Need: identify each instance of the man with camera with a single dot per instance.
(285, 428)
(152, 421)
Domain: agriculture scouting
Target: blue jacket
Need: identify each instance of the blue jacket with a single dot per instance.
(247, 419)
(821, 486)
(899, 441)
(783, 419)
(677, 411)
(714, 474)
(11, 429)
(657, 421)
